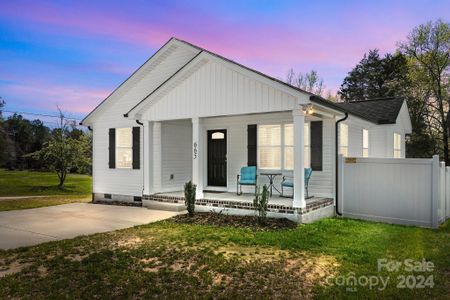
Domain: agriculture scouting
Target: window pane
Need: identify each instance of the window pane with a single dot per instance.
(344, 151)
(365, 138)
(289, 134)
(269, 157)
(289, 158)
(366, 152)
(218, 136)
(344, 135)
(124, 157)
(307, 157)
(124, 137)
(307, 134)
(269, 135)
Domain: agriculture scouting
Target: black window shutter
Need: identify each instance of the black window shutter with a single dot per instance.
(112, 148)
(136, 147)
(316, 145)
(251, 145)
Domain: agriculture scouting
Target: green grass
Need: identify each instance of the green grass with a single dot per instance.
(28, 183)
(15, 204)
(172, 260)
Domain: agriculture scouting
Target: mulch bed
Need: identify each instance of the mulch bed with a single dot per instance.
(218, 219)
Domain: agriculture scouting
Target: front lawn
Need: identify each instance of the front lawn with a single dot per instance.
(30, 183)
(174, 260)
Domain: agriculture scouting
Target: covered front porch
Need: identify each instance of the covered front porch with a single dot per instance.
(211, 151)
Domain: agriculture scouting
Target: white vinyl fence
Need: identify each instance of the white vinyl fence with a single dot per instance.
(402, 191)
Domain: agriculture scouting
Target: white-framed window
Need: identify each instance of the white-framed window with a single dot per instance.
(365, 146)
(269, 146)
(343, 136)
(124, 148)
(289, 146)
(307, 146)
(397, 145)
(276, 146)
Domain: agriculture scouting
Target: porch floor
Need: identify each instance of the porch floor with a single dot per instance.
(275, 200)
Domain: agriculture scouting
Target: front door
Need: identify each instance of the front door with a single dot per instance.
(217, 157)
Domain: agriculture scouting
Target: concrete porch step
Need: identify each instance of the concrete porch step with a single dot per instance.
(167, 206)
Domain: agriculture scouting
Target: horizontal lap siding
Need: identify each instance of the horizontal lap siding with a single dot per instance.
(176, 154)
(128, 181)
(215, 90)
(321, 182)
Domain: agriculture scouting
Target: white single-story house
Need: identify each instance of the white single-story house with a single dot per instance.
(190, 114)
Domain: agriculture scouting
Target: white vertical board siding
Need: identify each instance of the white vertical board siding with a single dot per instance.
(216, 90)
(128, 181)
(388, 190)
(321, 183)
(176, 154)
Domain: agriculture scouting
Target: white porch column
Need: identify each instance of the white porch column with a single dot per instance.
(157, 157)
(148, 157)
(299, 182)
(197, 156)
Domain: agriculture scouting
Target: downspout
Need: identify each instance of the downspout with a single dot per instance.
(92, 163)
(143, 156)
(336, 141)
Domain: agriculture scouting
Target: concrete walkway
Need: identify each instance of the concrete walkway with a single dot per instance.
(34, 226)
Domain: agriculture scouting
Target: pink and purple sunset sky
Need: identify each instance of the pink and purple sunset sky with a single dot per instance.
(74, 53)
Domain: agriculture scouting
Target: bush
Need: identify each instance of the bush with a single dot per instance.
(260, 203)
(189, 196)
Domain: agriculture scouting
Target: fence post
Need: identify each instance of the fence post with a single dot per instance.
(447, 192)
(435, 189)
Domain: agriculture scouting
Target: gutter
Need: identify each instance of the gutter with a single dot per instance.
(336, 139)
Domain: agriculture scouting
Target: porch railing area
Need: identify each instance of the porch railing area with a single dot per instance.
(402, 191)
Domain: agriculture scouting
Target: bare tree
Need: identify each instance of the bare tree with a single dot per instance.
(309, 81)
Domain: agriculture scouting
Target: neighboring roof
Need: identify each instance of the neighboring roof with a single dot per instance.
(379, 111)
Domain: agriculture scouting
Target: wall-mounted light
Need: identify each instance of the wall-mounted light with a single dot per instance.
(308, 109)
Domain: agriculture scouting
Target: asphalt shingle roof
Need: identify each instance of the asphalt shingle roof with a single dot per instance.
(380, 111)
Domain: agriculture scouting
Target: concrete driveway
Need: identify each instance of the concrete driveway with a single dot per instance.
(34, 226)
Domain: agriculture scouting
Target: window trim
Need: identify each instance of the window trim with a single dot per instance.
(117, 147)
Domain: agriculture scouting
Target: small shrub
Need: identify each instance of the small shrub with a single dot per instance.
(189, 195)
(260, 203)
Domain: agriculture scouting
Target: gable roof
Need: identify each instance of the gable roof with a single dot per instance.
(379, 111)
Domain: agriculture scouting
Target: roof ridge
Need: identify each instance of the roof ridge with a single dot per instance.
(374, 99)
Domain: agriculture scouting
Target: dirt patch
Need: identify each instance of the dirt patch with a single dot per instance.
(76, 257)
(130, 242)
(302, 269)
(13, 268)
(235, 221)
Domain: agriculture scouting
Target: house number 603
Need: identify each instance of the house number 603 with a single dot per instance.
(195, 150)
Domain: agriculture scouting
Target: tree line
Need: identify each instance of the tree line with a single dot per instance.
(29, 144)
(418, 70)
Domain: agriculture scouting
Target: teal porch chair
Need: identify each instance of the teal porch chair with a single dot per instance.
(289, 183)
(247, 177)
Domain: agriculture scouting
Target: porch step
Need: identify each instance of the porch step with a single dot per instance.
(167, 206)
